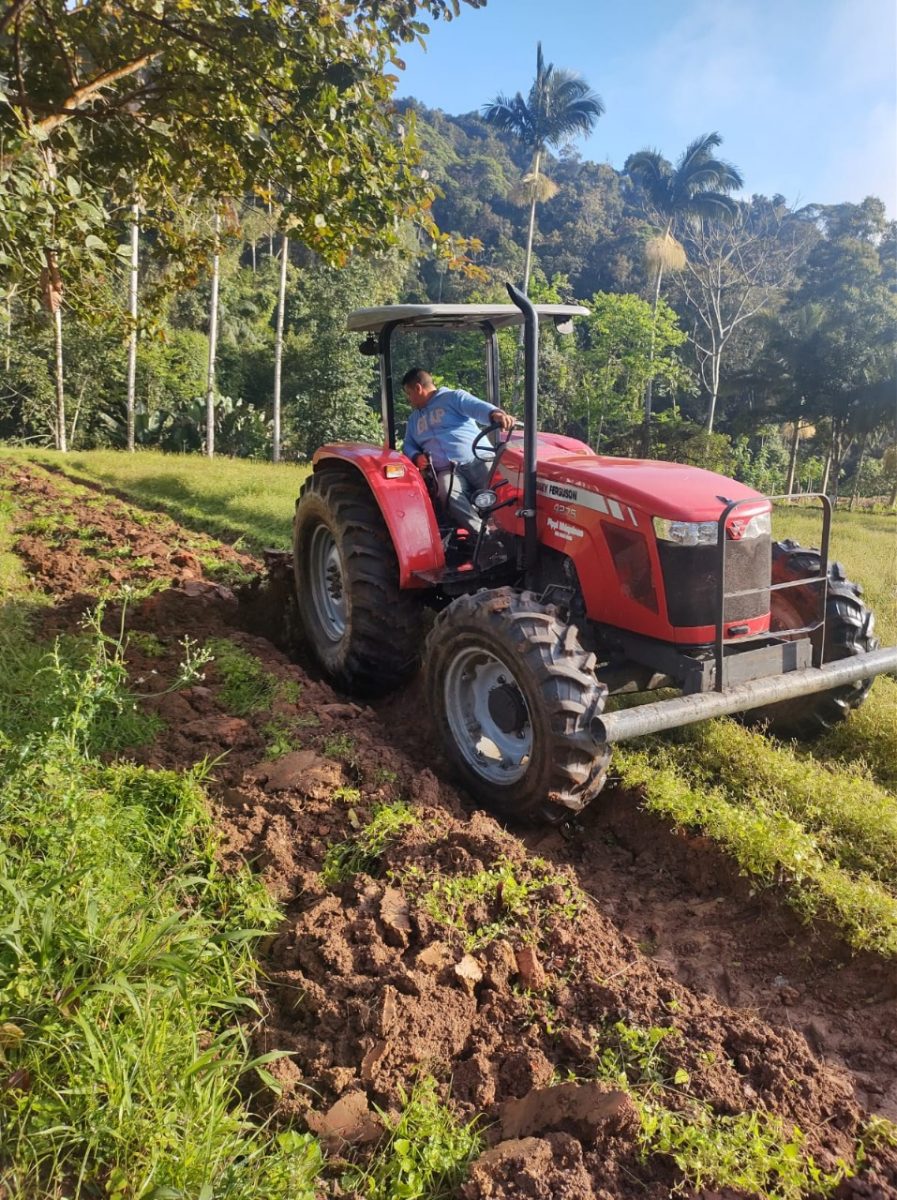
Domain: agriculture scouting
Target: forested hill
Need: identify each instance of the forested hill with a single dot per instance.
(591, 231)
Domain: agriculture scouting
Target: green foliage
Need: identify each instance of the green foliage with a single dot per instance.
(504, 897)
(122, 100)
(771, 846)
(362, 852)
(247, 686)
(620, 362)
(125, 959)
(426, 1154)
(751, 1152)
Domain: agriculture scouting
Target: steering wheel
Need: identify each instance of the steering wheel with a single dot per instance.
(494, 451)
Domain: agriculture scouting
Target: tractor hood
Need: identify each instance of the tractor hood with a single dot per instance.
(663, 489)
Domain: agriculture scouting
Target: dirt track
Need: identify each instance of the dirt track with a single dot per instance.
(364, 991)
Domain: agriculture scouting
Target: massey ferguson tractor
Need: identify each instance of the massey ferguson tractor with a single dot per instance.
(590, 577)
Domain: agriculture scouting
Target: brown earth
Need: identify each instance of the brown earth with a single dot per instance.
(366, 990)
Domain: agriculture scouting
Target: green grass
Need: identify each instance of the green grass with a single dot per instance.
(238, 501)
(494, 902)
(126, 966)
(362, 852)
(246, 686)
(426, 1153)
(753, 1152)
(768, 844)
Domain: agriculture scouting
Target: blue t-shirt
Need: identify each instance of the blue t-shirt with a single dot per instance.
(446, 426)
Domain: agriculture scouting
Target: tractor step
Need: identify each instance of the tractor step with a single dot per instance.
(443, 575)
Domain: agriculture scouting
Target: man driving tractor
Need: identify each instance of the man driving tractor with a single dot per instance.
(440, 434)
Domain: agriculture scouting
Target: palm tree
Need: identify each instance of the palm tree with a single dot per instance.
(695, 187)
(559, 106)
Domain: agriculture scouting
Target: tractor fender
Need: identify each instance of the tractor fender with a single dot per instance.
(403, 501)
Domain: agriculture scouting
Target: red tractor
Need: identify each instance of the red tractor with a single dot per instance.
(591, 576)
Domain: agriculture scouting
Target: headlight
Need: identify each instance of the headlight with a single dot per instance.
(758, 526)
(686, 533)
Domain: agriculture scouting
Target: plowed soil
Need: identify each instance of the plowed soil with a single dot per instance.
(366, 990)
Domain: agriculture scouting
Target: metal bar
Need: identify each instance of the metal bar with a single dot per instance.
(685, 710)
(387, 404)
(530, 429)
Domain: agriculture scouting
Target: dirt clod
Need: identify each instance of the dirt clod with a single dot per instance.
(583, 1109)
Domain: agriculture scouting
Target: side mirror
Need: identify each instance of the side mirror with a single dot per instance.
(370, 347)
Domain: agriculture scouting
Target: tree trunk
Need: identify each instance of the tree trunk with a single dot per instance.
(60, 435)
(859, 471)
(8, 348)
(823, 487)
(278, 342)
(532, 223)
(792, 460)
(213, 346)
(714, 391)
(649, 389)
(132, 311)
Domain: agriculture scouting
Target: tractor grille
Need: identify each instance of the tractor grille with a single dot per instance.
(690, 576)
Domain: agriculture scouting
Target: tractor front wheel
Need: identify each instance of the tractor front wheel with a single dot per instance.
(513, 694)
(361, 627)
(849, 626)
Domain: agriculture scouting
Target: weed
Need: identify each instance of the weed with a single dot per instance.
(381, 776)
(630, 1054)
(231, 574)
(362, 852)
(147, 643)
(340, 745)
(511, 894)
(426, 1154)
(748, 1152)
(248, 687)
(280, 736)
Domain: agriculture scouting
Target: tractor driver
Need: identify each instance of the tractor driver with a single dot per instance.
(440, 434)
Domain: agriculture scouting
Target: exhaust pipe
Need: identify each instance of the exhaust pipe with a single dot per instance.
(685, 710)
(530, 429)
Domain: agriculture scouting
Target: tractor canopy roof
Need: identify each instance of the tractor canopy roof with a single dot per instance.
(456, 316)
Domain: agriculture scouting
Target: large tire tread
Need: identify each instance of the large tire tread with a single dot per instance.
(849, 626)
(569, 767)
(382, 646)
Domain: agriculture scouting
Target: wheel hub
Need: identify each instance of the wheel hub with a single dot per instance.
(488, 716)
(325, 571)
(507, 708)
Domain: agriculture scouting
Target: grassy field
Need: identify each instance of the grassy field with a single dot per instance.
(246, 504)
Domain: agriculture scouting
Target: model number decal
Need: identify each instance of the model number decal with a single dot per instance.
(585, 499)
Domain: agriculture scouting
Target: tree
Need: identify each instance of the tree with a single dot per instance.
(205, 99)
(619, 361)
(733, 270)
(559, 106)
(213, 341)
(695, 187)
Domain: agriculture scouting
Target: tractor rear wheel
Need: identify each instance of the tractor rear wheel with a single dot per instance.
(361, 627)
(849, 626)
(513, 694)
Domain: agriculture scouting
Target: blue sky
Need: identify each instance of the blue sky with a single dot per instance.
(804, 92)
